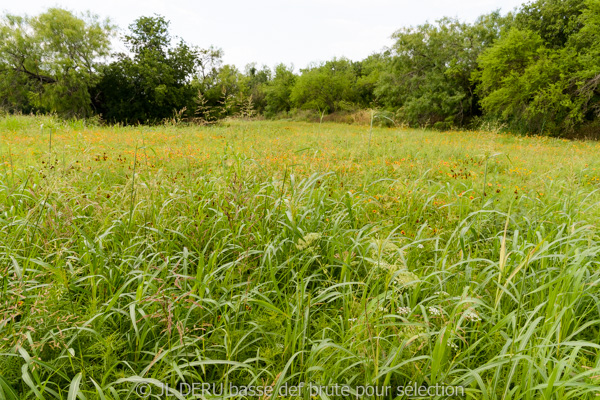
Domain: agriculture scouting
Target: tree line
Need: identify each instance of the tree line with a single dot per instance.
(534, 70)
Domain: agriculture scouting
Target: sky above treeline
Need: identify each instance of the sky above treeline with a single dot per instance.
(272, 31)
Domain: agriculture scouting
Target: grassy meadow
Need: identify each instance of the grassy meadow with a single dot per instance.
(274, 253)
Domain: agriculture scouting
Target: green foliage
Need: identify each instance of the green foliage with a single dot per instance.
(554, 20)
(328, 87)
(49, 62)
(541, 76)
(370, 71)
(255, 82)
(536, 70)
(502, 73)
(279, 91)
(429, 81)
(152, 83)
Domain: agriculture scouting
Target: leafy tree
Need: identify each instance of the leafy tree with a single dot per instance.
(502, 74)
(210, 97)
(154, 80)
(586, 44)
(279, 91)
(553, 20)
(254, 85)
(429, 80)
(369, 73)
(50, 62)
(229, 92)
(542, 75)
(224, 90)
(328, 87)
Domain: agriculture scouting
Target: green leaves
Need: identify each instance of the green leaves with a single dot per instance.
(279, 90)
(429, 81)
(74, 392)
(258, 266)
(51, 61)
(539, 76)
(6, 391)
(325, 87)
(151, 84)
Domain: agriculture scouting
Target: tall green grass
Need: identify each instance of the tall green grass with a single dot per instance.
(275, 253)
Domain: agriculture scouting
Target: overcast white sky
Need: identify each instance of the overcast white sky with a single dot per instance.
(272, 31)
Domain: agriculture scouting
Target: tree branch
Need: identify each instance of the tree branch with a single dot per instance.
(41, 78)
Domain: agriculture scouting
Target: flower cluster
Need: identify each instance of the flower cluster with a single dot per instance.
(383, 247)
(404, 310)
(472, 316)
(308, 240)
(384, 265)
(452, 345)
(406, 279)
(434, 311)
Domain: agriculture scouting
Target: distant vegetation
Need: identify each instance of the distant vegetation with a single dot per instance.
(534, 70)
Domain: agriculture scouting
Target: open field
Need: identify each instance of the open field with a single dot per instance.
(274, 253)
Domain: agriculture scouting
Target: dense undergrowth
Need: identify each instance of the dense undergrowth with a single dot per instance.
(272, 253)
